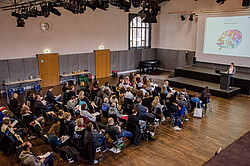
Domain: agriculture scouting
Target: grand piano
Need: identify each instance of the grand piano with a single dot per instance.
(149, 64)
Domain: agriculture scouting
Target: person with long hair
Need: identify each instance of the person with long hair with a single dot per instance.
(231, 70)
(157, 108)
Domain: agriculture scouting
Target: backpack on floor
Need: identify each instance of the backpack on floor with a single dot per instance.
(71, 152)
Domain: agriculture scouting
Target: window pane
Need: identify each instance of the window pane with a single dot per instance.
(138, 33)
(134, 32)
(138, 42)
(131, 34)
(143, 34)
(143, 24)
(143, 43)
(147, 36)
(134, 22)
(139, 22)
(134, 42)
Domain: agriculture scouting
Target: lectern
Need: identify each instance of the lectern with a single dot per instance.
(225, 80)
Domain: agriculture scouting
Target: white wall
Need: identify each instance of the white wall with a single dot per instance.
(69, 34)
(172, 33)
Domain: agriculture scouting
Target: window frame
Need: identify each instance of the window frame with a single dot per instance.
(131, 17)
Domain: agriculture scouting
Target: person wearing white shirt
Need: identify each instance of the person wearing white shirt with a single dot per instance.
(128, 94)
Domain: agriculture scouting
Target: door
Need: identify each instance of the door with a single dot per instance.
(48, 69)
(102, 60)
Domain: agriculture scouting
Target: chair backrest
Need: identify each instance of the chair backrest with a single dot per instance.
(112, 135)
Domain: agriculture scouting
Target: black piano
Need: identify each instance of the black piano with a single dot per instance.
(149, 64)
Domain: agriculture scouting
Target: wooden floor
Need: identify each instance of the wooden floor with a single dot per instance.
(193, 145)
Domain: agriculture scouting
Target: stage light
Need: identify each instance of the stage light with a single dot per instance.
(151, 10)
(183, 18)
(33, 12)
(20, 22)
(45, 10)
(191, 18)
(53, 10)
(70, 7)
(136, 3)
(220, 2)
(122, 4)
(15, 14)
(25, 13)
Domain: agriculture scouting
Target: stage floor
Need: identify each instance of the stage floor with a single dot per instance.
(207, 70)
(202, 84)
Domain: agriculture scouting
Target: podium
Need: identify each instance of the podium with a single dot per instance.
(225, 80)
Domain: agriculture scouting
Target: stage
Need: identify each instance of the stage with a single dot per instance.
(196, 78)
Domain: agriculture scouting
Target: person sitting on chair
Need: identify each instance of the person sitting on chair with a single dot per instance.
(50, 97)
(113, 111)
(196, 99)
(143, 111)
(53, 135)
(97, 138)
(29, 158)
(117, 129)
(69, 125)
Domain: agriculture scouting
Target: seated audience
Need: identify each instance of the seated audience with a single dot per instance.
(14, 106)
(29, 158)
(116, 129)
(196, 99)
(50, 97)
(61, 118)
(113, 111)
(128, 94)
(85, 113)
(53, 135)
(142, 111)
(92, 140)
(71, 92)
(157, 108)
(69, 125)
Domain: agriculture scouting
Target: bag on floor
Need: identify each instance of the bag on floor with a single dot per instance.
(71, 152)
(198, 112)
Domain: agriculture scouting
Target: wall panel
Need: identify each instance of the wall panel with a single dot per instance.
(16, 69)
(31, 67)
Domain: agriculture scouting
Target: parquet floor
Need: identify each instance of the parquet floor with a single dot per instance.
(193, 145)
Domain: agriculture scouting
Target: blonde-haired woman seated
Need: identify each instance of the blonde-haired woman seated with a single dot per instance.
(157, 108)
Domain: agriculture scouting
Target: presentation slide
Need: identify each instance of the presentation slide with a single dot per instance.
(227, 36)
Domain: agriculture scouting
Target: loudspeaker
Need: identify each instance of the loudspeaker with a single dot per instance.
(194, 61)
(246, 3)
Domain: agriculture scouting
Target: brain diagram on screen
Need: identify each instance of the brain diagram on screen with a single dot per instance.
(230, 39)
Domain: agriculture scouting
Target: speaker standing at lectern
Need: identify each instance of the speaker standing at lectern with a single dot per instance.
(231, 70)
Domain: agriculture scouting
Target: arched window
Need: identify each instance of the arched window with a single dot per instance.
(139, 33)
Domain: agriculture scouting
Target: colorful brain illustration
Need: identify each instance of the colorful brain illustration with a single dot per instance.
(230, 39)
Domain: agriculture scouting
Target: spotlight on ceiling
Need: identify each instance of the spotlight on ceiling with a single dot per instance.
(20, 22)
(183, 18)
(53, 10)
(34, 12)
(70, 7)
(220, 2)
(45, 10)
(122, 4)
(150, 11)
(191, 18)
(136, 3)
(25, 13)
